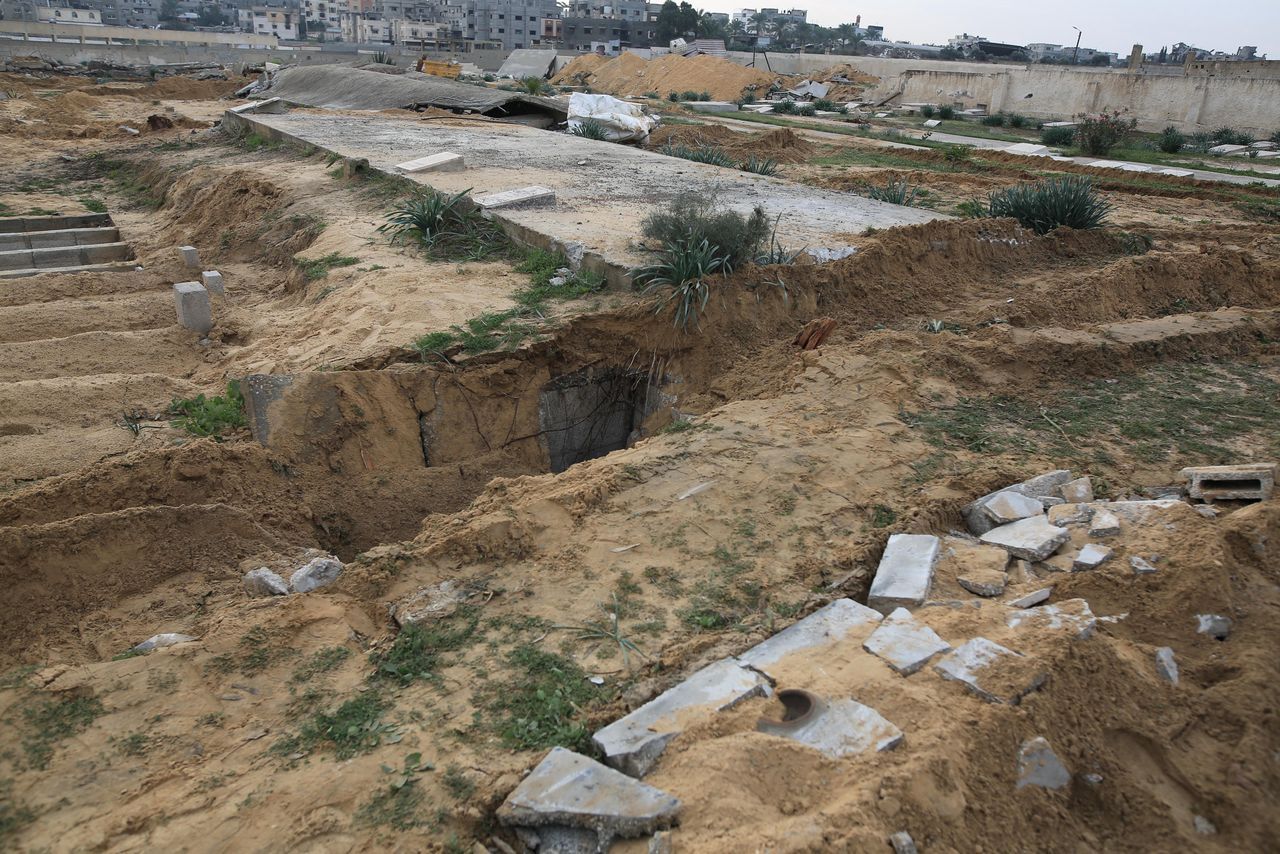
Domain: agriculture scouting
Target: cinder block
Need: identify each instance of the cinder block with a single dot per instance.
(445, 161)
(212, 281)
(530, 196)
(1252, 482)
(190, 256)
(194, 311)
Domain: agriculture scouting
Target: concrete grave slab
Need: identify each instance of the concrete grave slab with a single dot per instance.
(1251, 482)
(260, 391)
(933, 123)
(1009, 506)
(1214, 625)
(1177, 173)
(527, 62)
(1141, 566)
(905, 571)
(444, 161)
(840, 728)
(829, 624)
(567, 789)
(1026, 148)
(520, 197)
(904, 643)
(1228, 149)
(192, 303)
(633, 743)
(983, 582)
(1071, 615)
(712, 106)
(992, 672)
(1031, 539)
(1044, 487)
(1039, 766)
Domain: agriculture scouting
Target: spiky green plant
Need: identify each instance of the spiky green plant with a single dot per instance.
(685, 268)
(443, 222)
(1045, 205)
(532, 85)
(699, 154)
(589, 129)
(759, 165)
(895, 192)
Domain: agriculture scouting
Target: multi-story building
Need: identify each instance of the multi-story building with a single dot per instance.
(512, 23)
(281, 23)
(62, 15)
(130, 13)
(324, 17)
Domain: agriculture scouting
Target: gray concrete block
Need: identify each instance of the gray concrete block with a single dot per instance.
(633, 743)
(264, 582)
(982, 582)
(192, 303)
(570, 790)
(992, 672)
(1009, 506)
(905, 572)
(1039, 766)
(827, 625)
(444, 161)
(16, 259)
(1215, 625)
(1091, 556)
(260, 391)
(523, 196)
(190, 256)
(1078, 491)
(212, 281)
(1043, 487)
(903, 843)
(1047, 485)
(316, 573)
(1071, 615)
(1141, 566)
(904, 643)
(1166, 665)
(712, 106)
(1064, 515)
(434, 602)
(1031, 599)
(1104, 523)
(838, 728)
(1030, 539)
(1251, 482)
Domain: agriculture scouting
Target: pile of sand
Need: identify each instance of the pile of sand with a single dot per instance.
(783, 145)
(629, 74)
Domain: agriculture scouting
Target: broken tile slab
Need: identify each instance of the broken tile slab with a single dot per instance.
(212, 281)
(1043, 487)
(1063, 515)
(1039, 766)
(1141, 566)
(1030, 539)
(1213, 624)
(1251, 482)
(1031, 599)
(191, 301)
(526, 196)
(567, 789)
(263, 582)
(1166, 665)
(444, 161)
(1073, 615)
(905, 572)
(904, 643)
(839, 728)
(1091, 556)
(993, 672)
(1227, 148)
(982, 582)
(633, 743)
(1104, 523)
(1208, 511)
(829, 624)
(1009, 506)
(1078, 491)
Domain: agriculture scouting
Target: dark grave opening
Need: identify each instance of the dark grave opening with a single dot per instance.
(592, 412)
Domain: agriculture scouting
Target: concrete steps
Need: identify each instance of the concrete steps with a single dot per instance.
(33, 245)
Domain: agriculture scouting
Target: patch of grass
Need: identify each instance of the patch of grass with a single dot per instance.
(212, 416)
(134, 744)
(712, 154)
(318, 268)
(13, 815)
(543, 704)
(457, 784)
(882, 516)
(1048, 204)
(352, 728)
(415, 653)
(254, 654)
(1194, 413)
(322, 661)
(48, 722)
(397, 808)
(94, 205)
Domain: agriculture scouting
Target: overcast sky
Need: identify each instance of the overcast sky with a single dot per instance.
(1109, 25)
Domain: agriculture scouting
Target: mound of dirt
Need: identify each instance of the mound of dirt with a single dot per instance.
(628, 74)
(783, 145)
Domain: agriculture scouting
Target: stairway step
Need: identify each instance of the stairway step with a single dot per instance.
(18, 241)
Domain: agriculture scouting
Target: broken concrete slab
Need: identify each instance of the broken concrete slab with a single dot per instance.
(316, 573)
(982, 582)
(260, 391)
(520, 197)
(429, 603)
(1026, 148)
(1104, 523)
(527, 62)
(192, 303)
(633, 743)
(1215, 625)
(1031, 599)
(1251, 482)
(933, 123)
(712, 106)
(903, 843)
(1078, 491)
(567, 789)
(992, 672)
(1228, 149)
(1031, 539)
(829, 624)
(1091, 556)
(190, 256)
(263, 582)
(904, 643)
(1044, 487)
(1141, 566)
(1039, 766)
(905, 572)
(212, 281)
(1072, 615)
(1009, 506)
(445, 161)
(162, 640)
(838, 728)
(1166, 665)
(1063, 515)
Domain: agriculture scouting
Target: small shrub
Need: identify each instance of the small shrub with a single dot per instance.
(1171, 140)
(971, 209)
(318, 268)
(927, 111)
(532, 85)
(444, 224)
(381, 58)
(690, 221)
(1017, 121)
(1045, 205)
(699, 154)
(685, 268)
(747, 98)
(1097, 135)
(785, 108)
(759, 165)
(415, 654)
(995, 121)
(1230, 136)
(94, 205)
(1057, 136)
(213, 416)
(354, 727)
(946, 112)
(673, 96)
(895, 192)
(690, 95)
(653, 95)
(544, 704)
(957, 154)
(1275, 137)
(827, 106)
(588, 129)
(806, 110)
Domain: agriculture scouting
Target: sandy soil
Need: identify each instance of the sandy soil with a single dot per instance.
(967, 355)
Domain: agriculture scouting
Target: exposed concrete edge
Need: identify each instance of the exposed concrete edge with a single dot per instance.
(616, 275)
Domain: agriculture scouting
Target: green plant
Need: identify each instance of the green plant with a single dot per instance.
(354, 727)
(1017, 121)
(318, 268)
(94, 205)
(50, 721)
(971, 209)
(685, 268)
(415, 653)
(1171, 140)
(785, 107)
(746, 98)
(690, 221)
(446, 225)
(806, 110)
(320, 662)
(543, 703)
(927, 111)
(13, 815)
(1098, 134)
(673, 96)
(957, 155)
(946, 112)
(212, 416)
(994, 121)
(532, 85)
(434, 343)
(254, 141)
(589, 129)
(882, 516)
(699, 154)
(759, 165)
(1230, 136)
(895, 192)
(457, 783)
(398, 804)
(610, 630)
(1059, 136)
(654, 95)
(382, 58)
(1045, 205)
(826, 105)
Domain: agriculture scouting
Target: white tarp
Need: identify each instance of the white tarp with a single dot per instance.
(620, 120)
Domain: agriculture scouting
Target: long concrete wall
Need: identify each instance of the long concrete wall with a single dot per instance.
(1156, 97)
